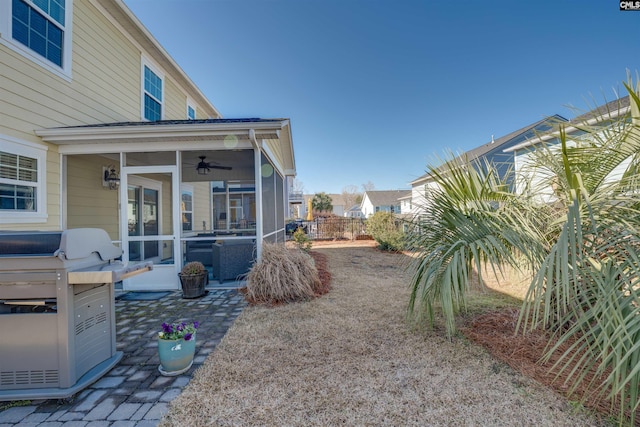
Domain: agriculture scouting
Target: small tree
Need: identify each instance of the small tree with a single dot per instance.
(351, 196)
(301, 240)
(321, 202)
(385, 230)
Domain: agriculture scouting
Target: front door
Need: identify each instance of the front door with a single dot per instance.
(149, 230)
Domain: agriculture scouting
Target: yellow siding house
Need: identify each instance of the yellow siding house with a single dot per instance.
(99, 127)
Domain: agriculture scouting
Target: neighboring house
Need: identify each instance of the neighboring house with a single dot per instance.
(382, 201)
(99, 127)
(354, 212)
(337, 201)
(406, 203)
(600, 117)
(494, 152)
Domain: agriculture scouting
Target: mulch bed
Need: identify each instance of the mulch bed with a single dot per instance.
(323, 272)
(496, 331)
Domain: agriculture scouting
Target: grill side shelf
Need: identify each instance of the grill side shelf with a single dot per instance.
(107, 273)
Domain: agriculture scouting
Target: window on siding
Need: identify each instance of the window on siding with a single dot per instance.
(18, 182)
(187, 208)
(152, 95)
(191, 113)
(40, 25)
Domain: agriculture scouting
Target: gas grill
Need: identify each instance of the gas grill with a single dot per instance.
(57, 311)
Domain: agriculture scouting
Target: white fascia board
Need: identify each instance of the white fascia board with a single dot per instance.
(97, 133)
(130, 147)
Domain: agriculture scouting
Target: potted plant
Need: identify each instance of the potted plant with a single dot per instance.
(176, 347)
(193, 278)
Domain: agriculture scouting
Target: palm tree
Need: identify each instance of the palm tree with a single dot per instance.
(583, 248)
(586, 291)
(471, 218)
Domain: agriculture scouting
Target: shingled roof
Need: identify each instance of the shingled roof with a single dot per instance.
(513, 138)
(386, 198)
(609, 111)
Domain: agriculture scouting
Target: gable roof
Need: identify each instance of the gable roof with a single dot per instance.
(386, 198)
(608, 111)
(516, 137)
(336, 199)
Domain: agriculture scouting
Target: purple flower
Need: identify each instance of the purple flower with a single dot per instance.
(175, 331)
(166, 328)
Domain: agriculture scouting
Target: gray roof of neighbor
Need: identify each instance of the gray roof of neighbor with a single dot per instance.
(501, 142)
(610, 107)
(386, 198)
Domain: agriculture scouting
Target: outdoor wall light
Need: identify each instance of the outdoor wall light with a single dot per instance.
(110, 177)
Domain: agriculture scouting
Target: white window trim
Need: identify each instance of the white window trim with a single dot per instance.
(36, 151)
(191, 104)
(147, 63)
(6, 39)
(151, 184)
(187, 188)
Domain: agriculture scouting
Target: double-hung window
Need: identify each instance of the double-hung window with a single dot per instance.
(191, 112)
(152, 98)
(21, 186)
(40, 30)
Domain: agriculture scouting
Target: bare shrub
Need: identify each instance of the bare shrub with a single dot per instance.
(282, 275)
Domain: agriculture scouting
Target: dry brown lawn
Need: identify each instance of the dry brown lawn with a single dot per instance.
(351, 358)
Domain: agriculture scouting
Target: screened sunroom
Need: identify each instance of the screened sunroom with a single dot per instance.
(171, 192)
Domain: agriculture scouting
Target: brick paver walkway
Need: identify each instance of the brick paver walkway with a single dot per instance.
(134, 393)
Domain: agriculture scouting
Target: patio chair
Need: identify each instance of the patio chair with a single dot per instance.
(232, 259)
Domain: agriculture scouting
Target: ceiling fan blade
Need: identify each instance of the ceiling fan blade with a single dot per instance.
(227, 168)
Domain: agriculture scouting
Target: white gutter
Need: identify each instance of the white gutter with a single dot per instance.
(88, 134)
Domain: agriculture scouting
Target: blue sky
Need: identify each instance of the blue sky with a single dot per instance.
(378, 89)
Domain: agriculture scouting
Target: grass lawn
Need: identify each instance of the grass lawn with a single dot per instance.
(351, 358)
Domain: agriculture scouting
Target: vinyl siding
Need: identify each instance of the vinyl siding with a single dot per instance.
(105, 87)
(202, 212)
(175, 101)
(93, 204)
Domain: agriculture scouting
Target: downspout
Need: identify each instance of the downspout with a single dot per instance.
(257, 159)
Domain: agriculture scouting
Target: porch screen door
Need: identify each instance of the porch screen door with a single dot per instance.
(149, 221)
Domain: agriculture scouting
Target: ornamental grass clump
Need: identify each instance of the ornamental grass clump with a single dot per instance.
(282, 275)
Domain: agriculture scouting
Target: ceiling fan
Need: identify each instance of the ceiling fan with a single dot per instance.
(203, 167)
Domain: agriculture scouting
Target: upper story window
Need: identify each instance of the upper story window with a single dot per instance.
(191, 112)
(40, 30)
(152, 95)
(21, 182)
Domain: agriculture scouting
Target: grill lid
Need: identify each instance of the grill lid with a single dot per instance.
(79, 243)
(71, 244)
(29, 242)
